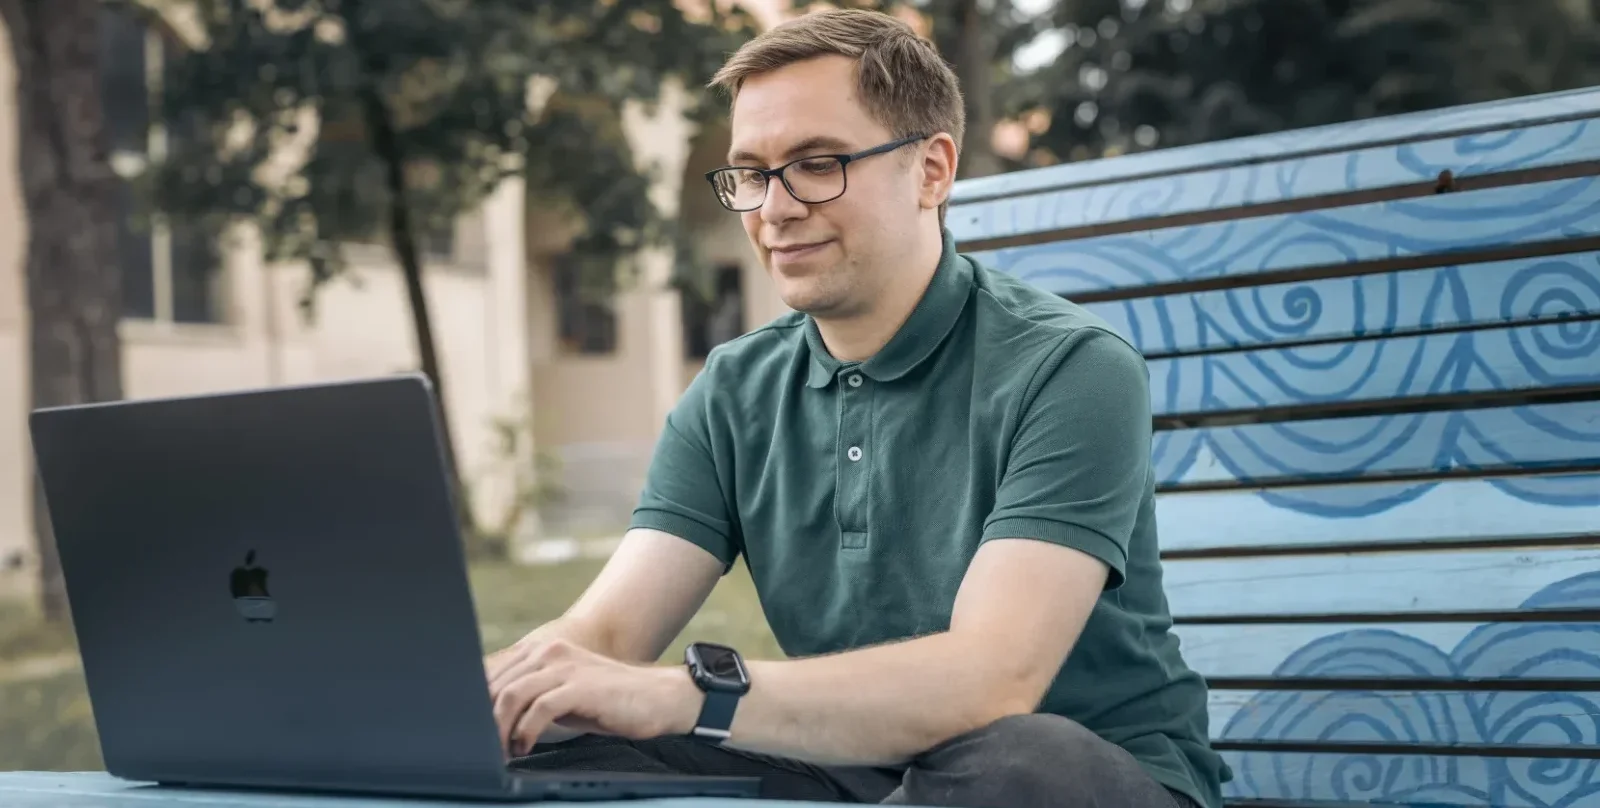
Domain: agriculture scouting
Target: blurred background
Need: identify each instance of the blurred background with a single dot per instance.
(201, 195)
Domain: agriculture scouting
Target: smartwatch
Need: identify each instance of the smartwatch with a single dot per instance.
(720, 673)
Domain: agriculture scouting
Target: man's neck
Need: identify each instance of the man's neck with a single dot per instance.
(858, 338)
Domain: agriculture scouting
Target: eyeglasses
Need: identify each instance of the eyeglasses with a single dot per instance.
(813, 180)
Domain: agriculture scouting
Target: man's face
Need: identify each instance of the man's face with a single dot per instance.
(829, 260)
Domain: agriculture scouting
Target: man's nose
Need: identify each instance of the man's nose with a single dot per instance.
(780, 205)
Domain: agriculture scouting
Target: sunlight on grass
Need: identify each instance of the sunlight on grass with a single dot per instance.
(45, 718)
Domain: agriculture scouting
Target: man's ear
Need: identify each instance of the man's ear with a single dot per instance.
(940, 160)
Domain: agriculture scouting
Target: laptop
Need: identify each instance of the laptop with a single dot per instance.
(270, 591)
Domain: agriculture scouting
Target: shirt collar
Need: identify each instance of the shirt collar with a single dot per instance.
(933, 318)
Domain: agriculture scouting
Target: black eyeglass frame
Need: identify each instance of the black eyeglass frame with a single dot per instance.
(768, 173)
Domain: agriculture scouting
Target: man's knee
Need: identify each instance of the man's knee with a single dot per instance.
(1028, 760)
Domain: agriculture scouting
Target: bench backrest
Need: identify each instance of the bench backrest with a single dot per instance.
(1375, 361)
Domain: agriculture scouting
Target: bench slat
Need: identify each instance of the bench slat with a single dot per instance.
(1491, 718)
(1373, 514)
(1457, 583)
(1259, 249)
(1507, 360)
(1417, 652)
(1253, 803)
(1507, 114)
(1521, 290)
(1536, 437)
(1475, 781)
(1219, 192)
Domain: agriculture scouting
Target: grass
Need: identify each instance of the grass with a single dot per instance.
(23, 635)
(45, 719)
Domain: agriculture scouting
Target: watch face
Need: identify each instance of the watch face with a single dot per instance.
(722, 667)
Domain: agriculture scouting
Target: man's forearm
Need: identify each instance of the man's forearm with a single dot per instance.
(582, 633)
(876, 706)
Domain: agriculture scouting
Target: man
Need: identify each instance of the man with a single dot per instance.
(938, 476)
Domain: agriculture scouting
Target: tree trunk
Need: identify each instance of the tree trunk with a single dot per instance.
(974, 63)
(68, 189)
(405, 248)
(386, 145)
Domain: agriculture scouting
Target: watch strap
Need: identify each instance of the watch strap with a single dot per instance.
(716, 716)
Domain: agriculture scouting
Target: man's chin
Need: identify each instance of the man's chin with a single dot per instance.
(803, 302)
(811, 302)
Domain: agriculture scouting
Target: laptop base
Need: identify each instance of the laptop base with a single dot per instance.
(517, 787)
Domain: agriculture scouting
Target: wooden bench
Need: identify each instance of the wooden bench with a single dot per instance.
(1375, 361)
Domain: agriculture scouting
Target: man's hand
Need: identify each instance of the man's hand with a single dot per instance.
(545, 691)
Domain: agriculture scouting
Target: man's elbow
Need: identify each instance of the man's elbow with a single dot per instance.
(1002, 692)
(1016, 691)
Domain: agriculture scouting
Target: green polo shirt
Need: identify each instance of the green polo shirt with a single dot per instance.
(859, 492)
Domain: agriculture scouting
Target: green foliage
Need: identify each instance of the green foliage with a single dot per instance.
(454, 76)
(1009, 26)
(1140, 75)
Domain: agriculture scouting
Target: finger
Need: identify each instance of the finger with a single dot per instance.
(525, 658)
(519, 694)
(495, 669)
(496, 663)
(542, 714)
(529, 656)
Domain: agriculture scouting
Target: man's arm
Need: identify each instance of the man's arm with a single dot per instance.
(1058, 537)
(1020, 609)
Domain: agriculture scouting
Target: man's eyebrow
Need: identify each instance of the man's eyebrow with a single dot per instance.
(810, 144)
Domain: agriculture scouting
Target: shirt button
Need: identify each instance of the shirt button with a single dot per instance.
(854, 380)
(854, 453)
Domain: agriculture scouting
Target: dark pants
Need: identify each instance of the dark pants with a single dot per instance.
(1017, 762)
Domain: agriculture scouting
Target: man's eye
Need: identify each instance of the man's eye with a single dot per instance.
(823, 166)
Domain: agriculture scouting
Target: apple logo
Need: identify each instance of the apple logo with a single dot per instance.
(248, 583)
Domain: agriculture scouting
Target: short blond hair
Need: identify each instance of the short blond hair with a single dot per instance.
(903, 81)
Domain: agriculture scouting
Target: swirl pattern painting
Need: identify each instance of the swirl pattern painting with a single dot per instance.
(1471, 139)
(1255, 183)
(1418, 226)
(1499, 327)
(1500, 650)
(1563, 292)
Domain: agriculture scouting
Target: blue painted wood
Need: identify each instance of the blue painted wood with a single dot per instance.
(1554, 356)
(1458, 582)
(1535, 325)
(1374, 514)
(1388, 651)
(1521, 290)
(100, 790)
(1468, 782)
(1409, 717)
(1536, 437)
(1441, 225)
(1510, 114)
(1502, 650)
(1299, 177)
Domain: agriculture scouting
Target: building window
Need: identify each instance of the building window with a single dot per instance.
(171, 272)
(587, 319)
(714, 315)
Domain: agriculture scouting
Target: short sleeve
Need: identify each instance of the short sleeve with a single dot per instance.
(683, 490)
(1078, 469)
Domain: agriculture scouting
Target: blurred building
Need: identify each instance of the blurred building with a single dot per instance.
(590, 381)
